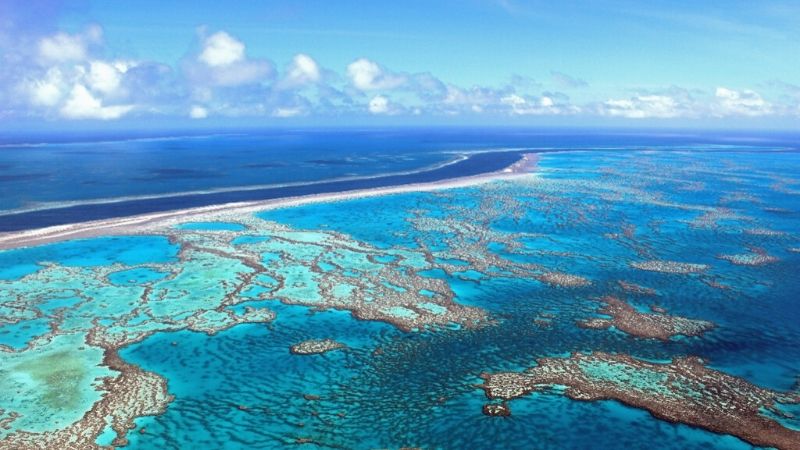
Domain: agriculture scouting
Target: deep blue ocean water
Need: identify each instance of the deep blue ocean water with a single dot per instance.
(47, 180)
(242, 388)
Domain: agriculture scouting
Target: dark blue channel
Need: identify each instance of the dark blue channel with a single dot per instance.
(475, 164)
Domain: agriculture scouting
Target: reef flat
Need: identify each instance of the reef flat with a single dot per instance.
(670, 267)
(194, 327)
(656, 324)
(315, 347)
(756, 257)
(684, 391)
(210, 266)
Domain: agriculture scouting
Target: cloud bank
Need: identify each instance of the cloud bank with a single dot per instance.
(56, 75)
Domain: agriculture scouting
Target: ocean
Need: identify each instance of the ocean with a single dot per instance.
(89, 177)
(569, 297)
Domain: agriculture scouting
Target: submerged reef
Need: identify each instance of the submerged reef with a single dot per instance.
(563, 279)
(225, 271)
(636, 289)
(220, 277)
(655, 325)
(756, 257)
(131, 394)
(315, 347)
(496, 409)
(682, 391)
(764, 232)
(713, 218)
(670, 267)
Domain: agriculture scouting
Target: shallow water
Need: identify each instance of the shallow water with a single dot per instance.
(591, 215)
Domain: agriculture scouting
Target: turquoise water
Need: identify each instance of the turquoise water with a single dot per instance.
(18, 335)
(211, 226)
(130, 250)
(142, 275)
(590, 215)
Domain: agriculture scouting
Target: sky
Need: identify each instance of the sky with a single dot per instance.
(678, 63)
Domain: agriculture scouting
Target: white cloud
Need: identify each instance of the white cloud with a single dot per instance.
(643, 107)
(741, 103)
(222, 61)
(46, 93)
(48, 90)
(66, 80)
(241, 73)
(285, 112)
(64, 47)
(379, 105)
(456, 96)
(66, 75)
(80, 90)
(367, 75)
(513, 100)
(106, 77)
(81, 104)
(221, 49)
(476, 99)
(526, 106)
(303, 70)
(198, 112)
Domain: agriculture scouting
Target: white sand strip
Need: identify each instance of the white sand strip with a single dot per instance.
(140, 223)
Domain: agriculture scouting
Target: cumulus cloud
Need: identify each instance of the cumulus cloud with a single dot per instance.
(106, 76)
(155, 88)
(64, 47)
(302, 71)
(285, 112)
(680, 103)
(427, 86)
(543, 105)
(642, 107)
(221, 49)
(198, 112)
(67, 79)
(46, 91)
(506, 100)
(81, 104)
(100, 77)
(367, 75)
(740, 103)
(379, 105)
(476, 99)
(222, 61)
(245, 73)
(50, 73)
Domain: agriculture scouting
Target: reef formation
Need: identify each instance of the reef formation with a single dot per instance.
(655, 325)
(682, 391)
(315, 347)
(462, 275)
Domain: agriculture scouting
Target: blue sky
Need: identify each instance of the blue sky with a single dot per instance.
(580, 63)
